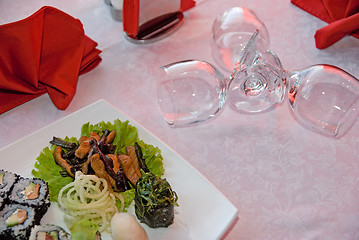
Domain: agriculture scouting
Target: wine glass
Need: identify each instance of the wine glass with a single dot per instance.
(190, 92)
(323, 98)
(231, 31)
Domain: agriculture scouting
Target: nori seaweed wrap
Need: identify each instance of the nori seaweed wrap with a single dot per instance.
(16, 221)
(31, 192)
(23, 202)
(154, 201)
(49, 231)
(7, 181)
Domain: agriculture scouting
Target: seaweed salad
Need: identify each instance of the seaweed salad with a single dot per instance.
(155, 201)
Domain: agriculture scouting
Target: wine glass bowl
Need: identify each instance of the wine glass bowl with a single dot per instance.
(190, 92)
(255, 89)
(231, 31)
(256, 82)
(324, 98)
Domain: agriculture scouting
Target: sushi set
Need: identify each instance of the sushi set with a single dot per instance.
(23, 203)
(185, 180)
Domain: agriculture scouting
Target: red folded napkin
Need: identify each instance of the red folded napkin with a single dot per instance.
(342, 16)
(45, 52)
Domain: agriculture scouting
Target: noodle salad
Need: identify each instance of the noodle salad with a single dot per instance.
(88, 197)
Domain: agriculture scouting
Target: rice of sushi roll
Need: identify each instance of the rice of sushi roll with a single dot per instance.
(2, 201)
(16, 221)
(7, 181)
(31, 192)
(49, 232)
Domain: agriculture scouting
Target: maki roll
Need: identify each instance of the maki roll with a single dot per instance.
(49, 232)
(154, 201)
(23, 202)
(16, 221)
(7, 181)
(31, 192)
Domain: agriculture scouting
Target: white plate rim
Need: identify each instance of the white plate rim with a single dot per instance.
(215, 232)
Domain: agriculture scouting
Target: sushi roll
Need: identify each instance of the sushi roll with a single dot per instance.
(31, 192)
(16, 221)
(7, 181)
(48, 232)
(155, 217)
(154, 201)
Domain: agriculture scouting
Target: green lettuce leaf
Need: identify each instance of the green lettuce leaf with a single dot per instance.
(126, 135)
(128, 196)
(83, 230)
(46, 169)
(153, 158)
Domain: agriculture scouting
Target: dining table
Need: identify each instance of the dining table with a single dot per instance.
(285, 181)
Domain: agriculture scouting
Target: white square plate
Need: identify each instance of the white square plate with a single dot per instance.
(203, 212)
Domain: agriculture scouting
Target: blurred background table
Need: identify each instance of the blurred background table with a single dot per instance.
(286, 181)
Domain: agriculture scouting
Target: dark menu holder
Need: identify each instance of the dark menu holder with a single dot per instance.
(147, 21)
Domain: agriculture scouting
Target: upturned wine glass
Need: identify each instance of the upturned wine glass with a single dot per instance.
(231, 31)
(323, 98)
(190, 92)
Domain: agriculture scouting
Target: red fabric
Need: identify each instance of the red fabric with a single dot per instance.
(187, 4)
(130, 14)
(44, 53)
(342, 16)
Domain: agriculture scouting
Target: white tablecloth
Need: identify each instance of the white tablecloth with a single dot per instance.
(286, 181)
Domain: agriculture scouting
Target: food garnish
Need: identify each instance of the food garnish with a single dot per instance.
(155, 201)
(88, 197)
(124, 226)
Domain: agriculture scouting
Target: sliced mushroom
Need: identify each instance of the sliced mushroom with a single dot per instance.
(110, 137)
(131, 152)
(85, 165)
(84, 145)
(99, 167)
(83, 149)
(62, 162)
(128, 168)
(115, 162)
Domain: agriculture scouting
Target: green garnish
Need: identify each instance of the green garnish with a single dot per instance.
(154, 192)
(126, 134)
(83, 230)
(128, 196)
(153, 158)
(46, 169)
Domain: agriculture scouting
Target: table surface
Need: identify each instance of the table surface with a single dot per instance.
(286, 181)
